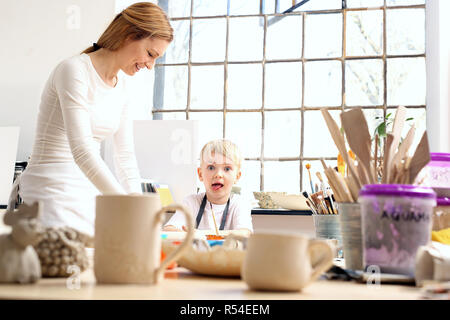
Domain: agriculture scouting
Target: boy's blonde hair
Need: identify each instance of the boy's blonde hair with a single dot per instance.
(225, 147)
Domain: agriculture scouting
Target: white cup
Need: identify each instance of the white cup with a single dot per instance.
(284, 262)
(128, 238)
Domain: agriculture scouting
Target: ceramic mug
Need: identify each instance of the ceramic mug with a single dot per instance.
(128, 238)
(284, 262)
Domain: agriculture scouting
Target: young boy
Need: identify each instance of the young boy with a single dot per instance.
(220, 169)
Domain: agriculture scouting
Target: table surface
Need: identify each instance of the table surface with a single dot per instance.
(181, 284)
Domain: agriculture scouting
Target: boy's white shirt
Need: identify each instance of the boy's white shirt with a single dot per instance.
(239, 213)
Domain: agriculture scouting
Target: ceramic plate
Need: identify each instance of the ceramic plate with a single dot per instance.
(290, 201)
(218, 260)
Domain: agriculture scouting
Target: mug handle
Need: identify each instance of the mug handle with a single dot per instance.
(183, 246)
(325, 262)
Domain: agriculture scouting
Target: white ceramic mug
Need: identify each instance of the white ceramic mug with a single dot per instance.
(128, 238)
(284, 262)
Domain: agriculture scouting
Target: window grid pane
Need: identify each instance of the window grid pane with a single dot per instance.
(345, 66)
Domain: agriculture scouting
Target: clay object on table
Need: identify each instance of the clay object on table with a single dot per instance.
(281, 261)
(62, 251)
(128, 239)
(18, 259)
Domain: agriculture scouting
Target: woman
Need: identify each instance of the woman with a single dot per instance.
(83, 102)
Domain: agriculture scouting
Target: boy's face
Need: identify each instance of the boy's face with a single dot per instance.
(218, 174)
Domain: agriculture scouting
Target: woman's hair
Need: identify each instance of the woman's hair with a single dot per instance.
(224, 147)
(139, 21)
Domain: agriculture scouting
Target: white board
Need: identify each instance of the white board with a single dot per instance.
(167, 152)
(9, 140)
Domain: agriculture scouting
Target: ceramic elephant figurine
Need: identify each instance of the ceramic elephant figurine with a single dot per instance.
(19, 261)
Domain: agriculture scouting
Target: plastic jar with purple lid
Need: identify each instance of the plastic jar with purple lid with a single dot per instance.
(437, 174)
(395, 221)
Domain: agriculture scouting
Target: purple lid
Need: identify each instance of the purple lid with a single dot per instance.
(443, 201)
(405, 190)
(436, 156)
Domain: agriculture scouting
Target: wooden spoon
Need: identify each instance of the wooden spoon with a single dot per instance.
(340, 143)
(375, 157)
(358, 138)
(332, 182)
(404, 147)
(420, 158)
(397, 128)
(386, 163)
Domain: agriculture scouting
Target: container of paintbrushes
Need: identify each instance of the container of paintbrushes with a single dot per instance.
(328, 227)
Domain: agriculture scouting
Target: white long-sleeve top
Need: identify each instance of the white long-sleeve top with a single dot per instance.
(239, 213)
(78, 111)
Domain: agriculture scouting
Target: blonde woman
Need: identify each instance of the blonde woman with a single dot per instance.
(85, 101)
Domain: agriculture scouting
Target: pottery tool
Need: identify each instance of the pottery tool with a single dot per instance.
(404, 147)
(375, 157)
(338, 184)
(386, 164)
(420, 158)
(214, 219)
(341, 164)
(333, 184)
(397, 127)
(336, 193)
(352, 187)
(339, 140)
(343, 186)
(359, 141)
(308, 166)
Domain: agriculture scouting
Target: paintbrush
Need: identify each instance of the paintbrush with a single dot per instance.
(308, 166)
(318, 200)
(307, 196)
(310, 205)
(214, 219)
(327, 197)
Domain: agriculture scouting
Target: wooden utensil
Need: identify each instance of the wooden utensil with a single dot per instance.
(354, 191)
(358, 138)
(333, 183)
(397, 127)
(386, 164)
(420, 158)
(340, 143)
(404, 147)
(375, 157)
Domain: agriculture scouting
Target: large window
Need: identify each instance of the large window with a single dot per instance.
(258, 75)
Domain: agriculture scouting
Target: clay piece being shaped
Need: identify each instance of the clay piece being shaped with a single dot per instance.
(19, 262)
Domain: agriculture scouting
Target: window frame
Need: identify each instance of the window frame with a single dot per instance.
(267, 18)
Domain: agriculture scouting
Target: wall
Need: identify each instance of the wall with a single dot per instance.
(438, 74)
(36, 36)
